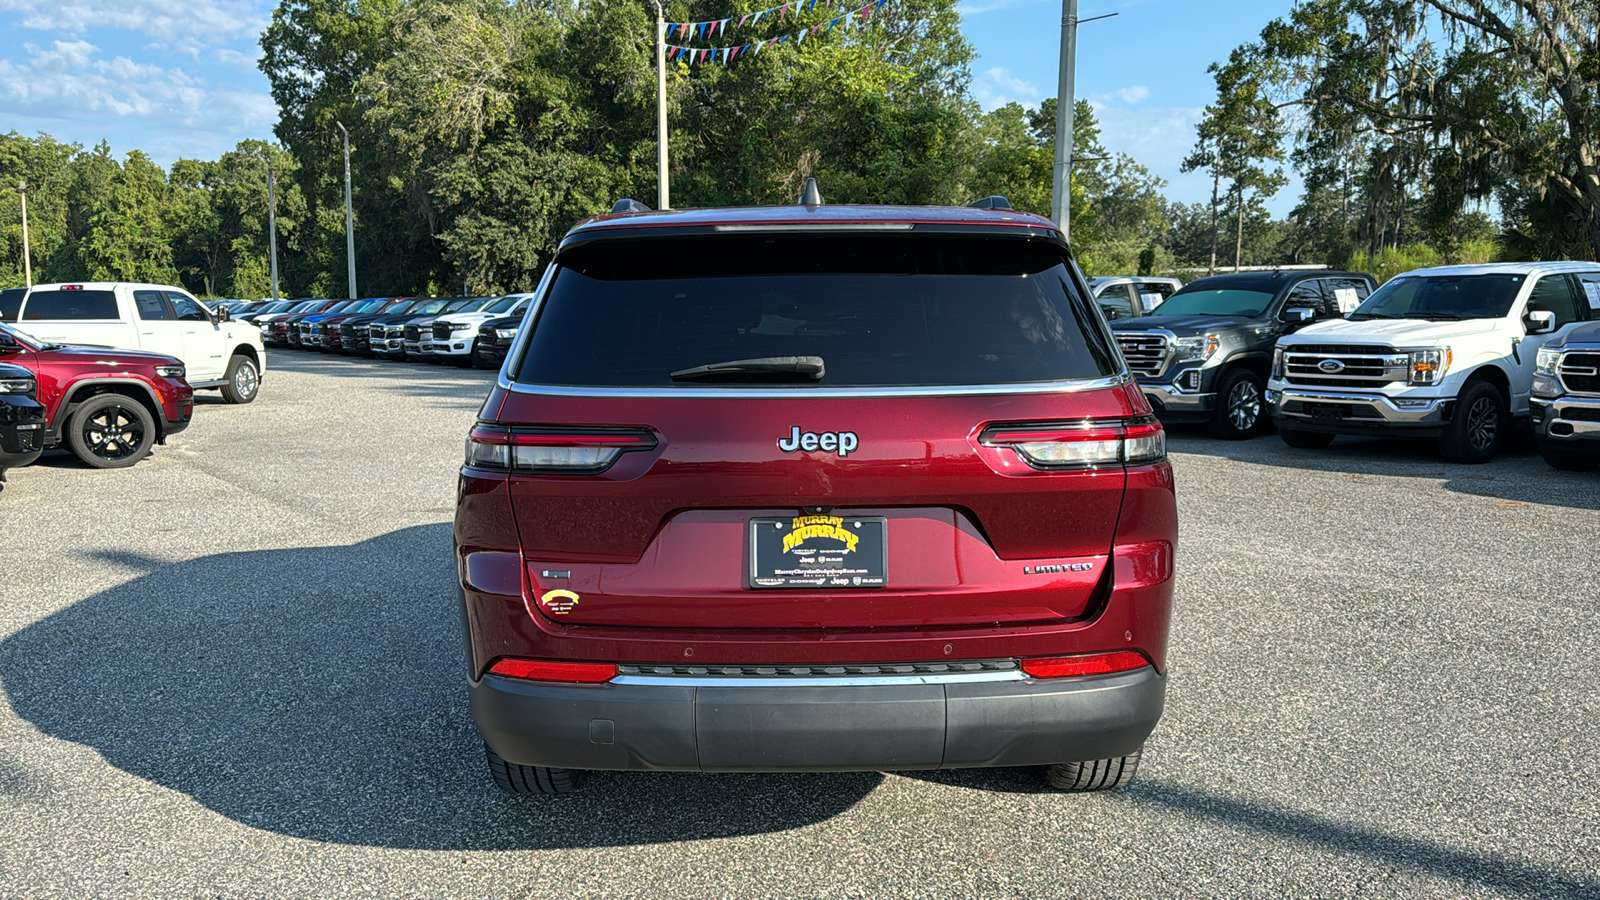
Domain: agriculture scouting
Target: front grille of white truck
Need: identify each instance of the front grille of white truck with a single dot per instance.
(1344, 366)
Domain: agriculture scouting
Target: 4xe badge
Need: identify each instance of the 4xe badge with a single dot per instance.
(840, 442)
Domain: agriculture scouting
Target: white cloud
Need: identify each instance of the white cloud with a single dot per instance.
(1132, 94)
(183, 24)
(72, 80)
(997, 86)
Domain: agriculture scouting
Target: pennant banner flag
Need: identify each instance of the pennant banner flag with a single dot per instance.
(700, 55)
(719, 28)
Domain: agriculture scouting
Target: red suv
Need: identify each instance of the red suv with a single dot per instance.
(815, 488)
(110, 407)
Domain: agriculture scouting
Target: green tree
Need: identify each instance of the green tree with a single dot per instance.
(126, 238)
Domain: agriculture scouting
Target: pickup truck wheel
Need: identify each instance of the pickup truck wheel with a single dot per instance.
(1304, 440)
(1093, 775)
(514, 778)
(1569, 460)
(1475, 433)
(244, 380)
(1239, 413)
(111, 431)
(470, 361)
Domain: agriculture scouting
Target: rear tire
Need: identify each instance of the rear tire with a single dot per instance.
(1569, 460)
(1478, 428)
(111, 431)
(1094, 774)
(514, 778)
(1304, 440)
(1241, 409)
(244, 380)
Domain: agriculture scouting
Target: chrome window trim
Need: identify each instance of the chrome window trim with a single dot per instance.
(821, 680)
(795, 393)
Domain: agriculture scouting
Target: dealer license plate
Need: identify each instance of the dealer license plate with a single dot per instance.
(819, 552)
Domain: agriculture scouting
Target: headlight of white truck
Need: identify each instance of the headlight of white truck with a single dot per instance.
(1546, 362)
(1200, 347)
(1277, 362)
(1429, 366)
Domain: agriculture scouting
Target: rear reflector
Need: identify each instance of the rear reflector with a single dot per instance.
(1086, 664)
(1081, 445)
(542, 670)
(552, 451)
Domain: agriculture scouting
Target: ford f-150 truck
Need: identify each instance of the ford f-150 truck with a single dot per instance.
(1565, 401)
(1446, 353)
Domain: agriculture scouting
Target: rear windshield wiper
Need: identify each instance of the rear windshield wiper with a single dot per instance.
(797, 368)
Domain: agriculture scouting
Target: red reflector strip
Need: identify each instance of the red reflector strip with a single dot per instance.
(543, 670)
(1087, 664)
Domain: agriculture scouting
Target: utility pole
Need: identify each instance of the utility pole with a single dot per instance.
(1061, 189)
(272, 222)
(27, 256)
(662, 201)
(349, 216)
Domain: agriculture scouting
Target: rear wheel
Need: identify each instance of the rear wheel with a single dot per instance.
(1478, 428)
(514, 778)
(1239, 413)
(111, 431)
(1569, 460)
(1094, 774)
(1304, 440)
(244, 380)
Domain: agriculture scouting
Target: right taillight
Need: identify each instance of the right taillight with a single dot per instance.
(1082, 445)
(550, 670)
(553, 451)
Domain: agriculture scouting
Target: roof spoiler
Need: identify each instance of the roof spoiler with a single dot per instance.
(993, 201)
(628, 205)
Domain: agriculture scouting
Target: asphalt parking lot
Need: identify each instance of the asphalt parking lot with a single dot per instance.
(235, 670)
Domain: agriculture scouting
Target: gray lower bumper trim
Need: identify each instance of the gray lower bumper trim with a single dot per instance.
(825, 728)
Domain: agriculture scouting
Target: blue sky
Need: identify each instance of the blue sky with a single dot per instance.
(178, 78)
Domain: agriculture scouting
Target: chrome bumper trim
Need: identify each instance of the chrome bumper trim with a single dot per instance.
(1432, 414)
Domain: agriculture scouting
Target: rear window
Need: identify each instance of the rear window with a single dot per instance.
(880, 311)
(10, 302)
(53, 306)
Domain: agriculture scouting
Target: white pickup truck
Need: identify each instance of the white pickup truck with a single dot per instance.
(1446, 353)
(216, 351)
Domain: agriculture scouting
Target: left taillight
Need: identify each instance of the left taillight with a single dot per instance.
(553, 451)
(1081, 445)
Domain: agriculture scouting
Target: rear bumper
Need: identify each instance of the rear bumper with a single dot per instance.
(794, 725)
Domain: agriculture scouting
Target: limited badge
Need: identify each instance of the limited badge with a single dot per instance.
(559, 602)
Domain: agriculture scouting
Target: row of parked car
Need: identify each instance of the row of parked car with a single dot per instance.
(466, 331)
(1457, 354)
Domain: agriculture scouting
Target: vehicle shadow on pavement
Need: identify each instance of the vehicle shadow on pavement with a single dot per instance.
(1517, 475)
(1497, 872)
(320, 693)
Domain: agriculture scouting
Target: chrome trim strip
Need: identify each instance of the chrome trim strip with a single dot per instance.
(843, 226)
(797, 393)
(820, 680)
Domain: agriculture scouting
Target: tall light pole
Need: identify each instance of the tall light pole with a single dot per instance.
(1061, 189)
(27, 256)
(662, 201)
(349, 216)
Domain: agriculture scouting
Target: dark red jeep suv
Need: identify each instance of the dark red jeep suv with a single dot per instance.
(815, 488)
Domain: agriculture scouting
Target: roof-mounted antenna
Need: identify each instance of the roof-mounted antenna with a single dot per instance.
(628, 205)
(810, 196)
(993, 201)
